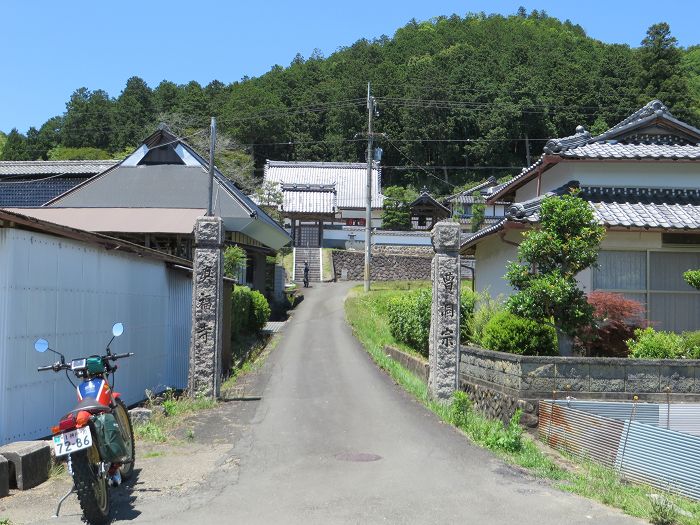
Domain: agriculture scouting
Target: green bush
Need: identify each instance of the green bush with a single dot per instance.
(260, 312)
(506, 332)
(249, 311)
(652, 344)
(691, 342)
(241, 305)
(409, 317)
(486, 308)
(466, 312)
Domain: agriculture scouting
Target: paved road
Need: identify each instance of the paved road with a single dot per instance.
(324, 407)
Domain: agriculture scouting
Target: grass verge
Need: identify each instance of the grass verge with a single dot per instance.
(365, 316)
(170, 410)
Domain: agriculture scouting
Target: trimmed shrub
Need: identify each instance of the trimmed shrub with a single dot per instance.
(616, 319)
(249, 311)
(507, 332)
(650, 344)
(260, 311)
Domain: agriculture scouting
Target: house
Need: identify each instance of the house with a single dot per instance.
(153, 198)
(35, 182)
(462, 204)
(642, 180)
(315, 196)
(426, 211)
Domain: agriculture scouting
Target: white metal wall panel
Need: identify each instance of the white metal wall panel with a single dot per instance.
(71, 293)
(179, 327)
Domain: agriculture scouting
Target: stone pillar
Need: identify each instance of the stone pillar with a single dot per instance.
(444, 316)
(207, 308)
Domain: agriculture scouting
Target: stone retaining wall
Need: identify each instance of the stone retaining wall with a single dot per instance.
(414, 364)
(499, 382)
(383, 267)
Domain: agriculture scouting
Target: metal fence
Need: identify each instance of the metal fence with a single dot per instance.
(632, 438)
(71, 293)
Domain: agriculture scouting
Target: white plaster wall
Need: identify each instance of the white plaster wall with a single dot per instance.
(631, 174)
(492, 256)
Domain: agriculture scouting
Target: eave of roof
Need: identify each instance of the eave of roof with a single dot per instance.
(96, 239)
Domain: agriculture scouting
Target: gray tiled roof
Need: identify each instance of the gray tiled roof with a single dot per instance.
(308, 202)
(613, 150)
(54, 167)
(349, 178)
(626, 207)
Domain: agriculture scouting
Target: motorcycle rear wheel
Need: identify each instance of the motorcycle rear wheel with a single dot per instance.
(122, 415)
(91, 487)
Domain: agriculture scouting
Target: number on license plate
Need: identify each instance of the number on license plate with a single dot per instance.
(72, 441)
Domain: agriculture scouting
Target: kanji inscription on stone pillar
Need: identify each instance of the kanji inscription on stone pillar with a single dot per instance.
(207, 308)
(444, 316)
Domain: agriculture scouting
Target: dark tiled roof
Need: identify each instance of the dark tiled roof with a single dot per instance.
(626, 207)
(23, 192)
(614, 150)
(426, 198)
(472, 239)
(54, 167)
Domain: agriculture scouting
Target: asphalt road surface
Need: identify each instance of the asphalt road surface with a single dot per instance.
(333, 440)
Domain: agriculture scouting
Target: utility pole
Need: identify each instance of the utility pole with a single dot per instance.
(212, 147)
(368, 211)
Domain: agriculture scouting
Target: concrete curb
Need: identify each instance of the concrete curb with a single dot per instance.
(29, 463)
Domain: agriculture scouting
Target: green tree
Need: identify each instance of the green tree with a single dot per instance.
(134, 114)
(396, 214)
(65, 153)
(662, 74)
(235, 260)
(88, 120)
(549, 258)
(165, 97)
(16, 147)
(3, 139)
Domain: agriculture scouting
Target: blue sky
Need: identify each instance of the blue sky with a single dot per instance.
(53, 47)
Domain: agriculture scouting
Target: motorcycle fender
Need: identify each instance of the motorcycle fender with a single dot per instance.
(116, 395)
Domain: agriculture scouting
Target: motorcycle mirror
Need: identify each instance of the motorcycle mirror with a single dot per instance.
(117, 329)
(41, 345)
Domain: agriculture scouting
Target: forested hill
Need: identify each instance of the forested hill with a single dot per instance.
(457, 97)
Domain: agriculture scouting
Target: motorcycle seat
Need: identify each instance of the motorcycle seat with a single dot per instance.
(90, 404)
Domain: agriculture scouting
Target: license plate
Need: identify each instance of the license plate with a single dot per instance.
(72, 441)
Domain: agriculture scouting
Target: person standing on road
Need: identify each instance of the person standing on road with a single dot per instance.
(306, 274)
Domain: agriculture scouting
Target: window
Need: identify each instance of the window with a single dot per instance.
(654, 278)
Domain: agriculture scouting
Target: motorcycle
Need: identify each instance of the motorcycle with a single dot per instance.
(96, 437)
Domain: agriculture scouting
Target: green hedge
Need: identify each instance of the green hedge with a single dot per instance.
(409, 317)
(249, 311)
(650, 344)
(506, 332)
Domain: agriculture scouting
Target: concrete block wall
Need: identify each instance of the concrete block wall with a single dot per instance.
(499, 382)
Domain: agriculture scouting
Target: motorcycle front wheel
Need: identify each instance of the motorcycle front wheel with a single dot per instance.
(91, 487)
(122, 415)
